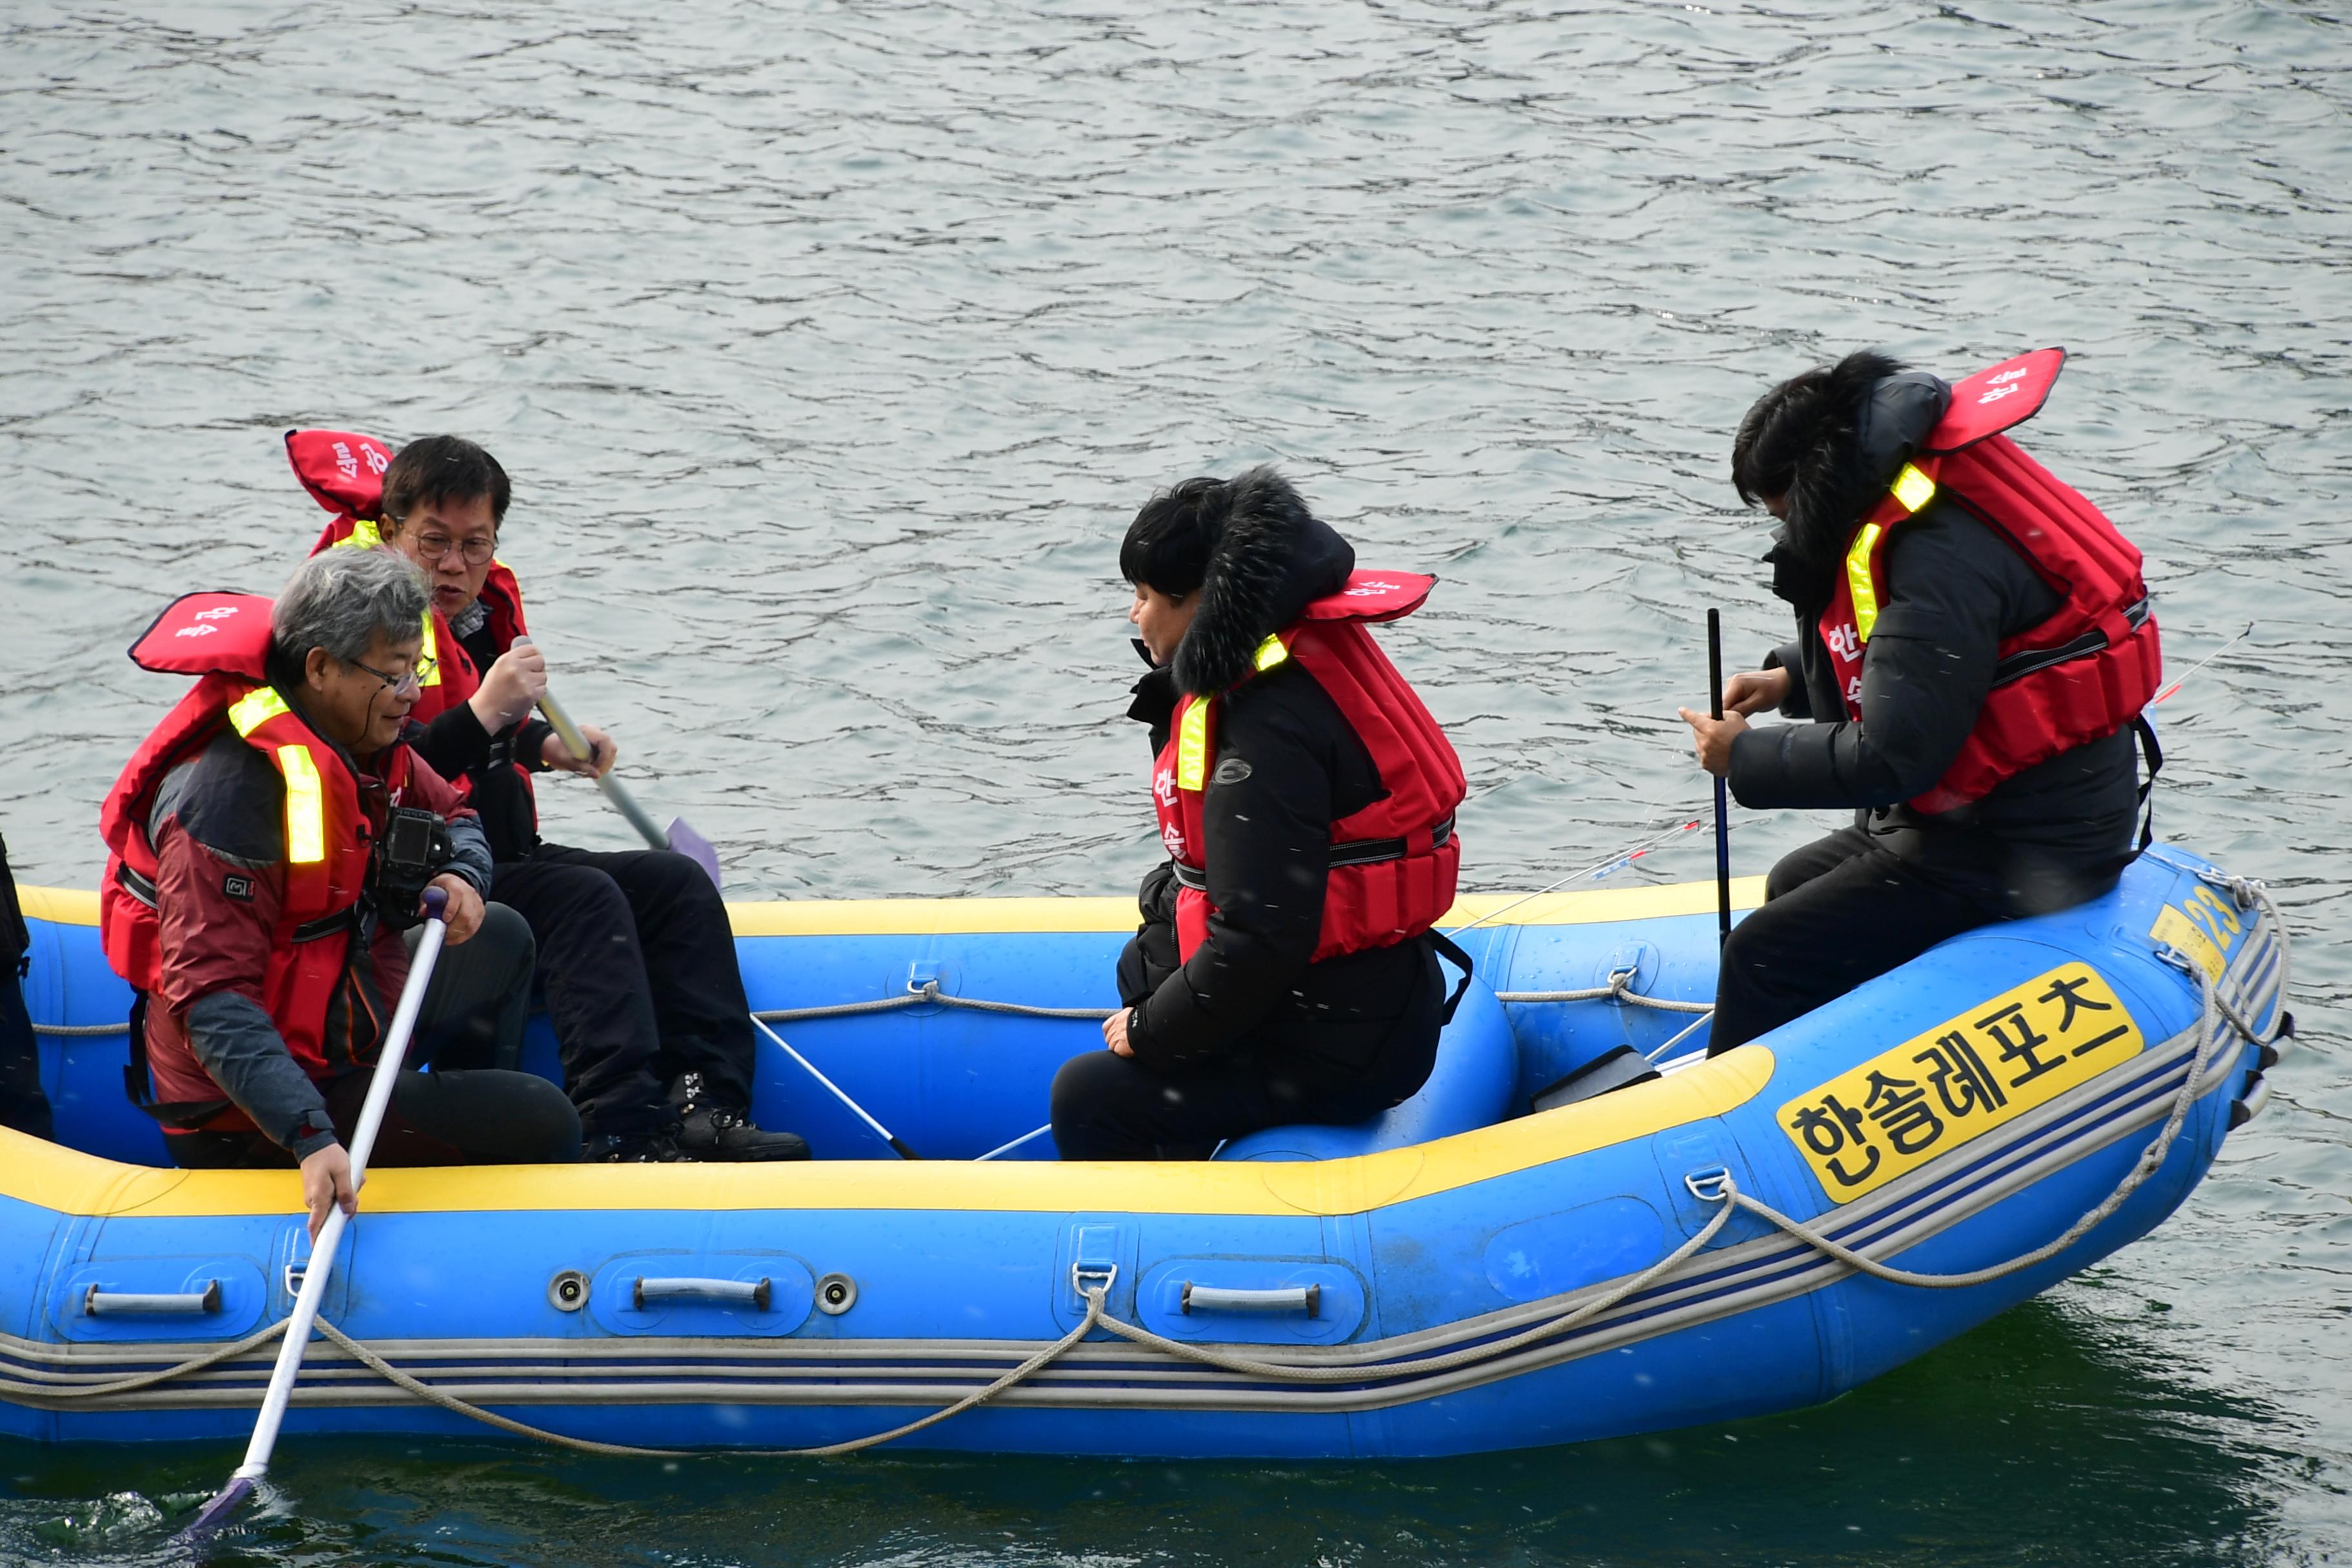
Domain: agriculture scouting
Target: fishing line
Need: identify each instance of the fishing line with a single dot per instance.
(2201, 664)
(1593, 872)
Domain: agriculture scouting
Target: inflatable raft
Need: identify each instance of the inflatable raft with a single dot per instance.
(1466, 1273)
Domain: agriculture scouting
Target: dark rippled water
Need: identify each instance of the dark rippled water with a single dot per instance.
(831, 345)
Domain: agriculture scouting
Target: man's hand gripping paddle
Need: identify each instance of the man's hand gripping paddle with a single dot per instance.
(680, 837)
(290, 1350)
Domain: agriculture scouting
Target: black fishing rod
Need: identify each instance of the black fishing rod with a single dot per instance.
(1722, 819)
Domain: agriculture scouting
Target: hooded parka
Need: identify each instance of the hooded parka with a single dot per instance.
(1286, 951)
(1988, 778)
(1904, 723)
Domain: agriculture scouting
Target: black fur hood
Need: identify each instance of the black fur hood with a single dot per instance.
(1272, 558)
(1871, 429)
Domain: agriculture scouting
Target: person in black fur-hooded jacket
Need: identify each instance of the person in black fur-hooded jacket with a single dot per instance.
(1819, 451)
(1247, 1032)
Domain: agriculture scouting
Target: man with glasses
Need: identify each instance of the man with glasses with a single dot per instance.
(269, 843)
(636, 953)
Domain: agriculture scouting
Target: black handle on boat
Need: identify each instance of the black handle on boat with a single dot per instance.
(1722, 822)
(755, 1294)
(1306, 1298)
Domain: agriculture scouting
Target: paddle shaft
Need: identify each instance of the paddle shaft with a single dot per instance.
(322, 1252)
(1722, 819)
(898, 1145)
(615, 790)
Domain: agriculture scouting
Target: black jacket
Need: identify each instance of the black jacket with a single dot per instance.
(2052, 836)
(1288, 764)
(455, 746)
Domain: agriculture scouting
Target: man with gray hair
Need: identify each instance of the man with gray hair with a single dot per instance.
(272, 841)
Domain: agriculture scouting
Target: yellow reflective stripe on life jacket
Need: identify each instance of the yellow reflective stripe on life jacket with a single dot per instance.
(1858, 582)
(1193, 746)
(1193, 730)
(366, 535)
(1914, 489)
(255, 709)
(306, 806)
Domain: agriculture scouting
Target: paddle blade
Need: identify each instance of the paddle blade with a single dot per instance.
(217, 1512)
(696, 848)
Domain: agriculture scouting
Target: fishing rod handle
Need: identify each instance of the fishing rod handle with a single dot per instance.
(1715, 660)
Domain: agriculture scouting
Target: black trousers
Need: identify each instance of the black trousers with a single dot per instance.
(637, 961)
(1108, 1107)
(22, 1104)
(1837, 912)
(460, 1113)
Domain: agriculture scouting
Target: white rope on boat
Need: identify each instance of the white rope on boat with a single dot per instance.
(1619, 989)
(1095, 1316)
(450, 1402)
(92, 1030)
(929, 996)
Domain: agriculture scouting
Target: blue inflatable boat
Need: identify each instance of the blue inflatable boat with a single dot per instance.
(1717, 1238)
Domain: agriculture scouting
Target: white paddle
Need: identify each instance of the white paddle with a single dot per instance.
(297, 1341)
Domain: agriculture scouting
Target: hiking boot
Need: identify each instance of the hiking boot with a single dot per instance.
(710, 1132)
(650, 1149)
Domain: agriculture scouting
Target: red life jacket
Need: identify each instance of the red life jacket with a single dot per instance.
(1393, 863)
(2078, 677)
(224, 638)
(345, 473)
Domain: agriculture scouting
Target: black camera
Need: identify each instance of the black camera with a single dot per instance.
(415, 846)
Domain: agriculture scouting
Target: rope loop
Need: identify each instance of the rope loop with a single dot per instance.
(1619, 989)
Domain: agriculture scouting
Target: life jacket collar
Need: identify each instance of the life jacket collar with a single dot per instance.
(2083, 673)
(342, 471)
(207, 634)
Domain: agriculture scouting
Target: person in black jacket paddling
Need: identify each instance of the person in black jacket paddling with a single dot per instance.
(1974, 647)
(1285, 971)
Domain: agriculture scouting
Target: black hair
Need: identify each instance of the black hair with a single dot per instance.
(432, 470)
(1791, 441)
(1168, 545)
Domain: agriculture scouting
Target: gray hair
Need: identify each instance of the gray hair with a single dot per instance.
(338, 599)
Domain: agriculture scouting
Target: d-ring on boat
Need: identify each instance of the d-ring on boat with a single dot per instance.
(1739, 1235)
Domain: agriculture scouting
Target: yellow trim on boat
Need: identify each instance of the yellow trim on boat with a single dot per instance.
(971, 917)
(930, 917)
(49, 1176)
(59, 906)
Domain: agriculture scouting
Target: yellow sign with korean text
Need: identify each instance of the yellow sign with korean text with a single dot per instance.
(2204, 926)
(1960, 1079)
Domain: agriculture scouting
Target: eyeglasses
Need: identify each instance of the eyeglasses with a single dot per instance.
(402, 685)
(434, 548)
